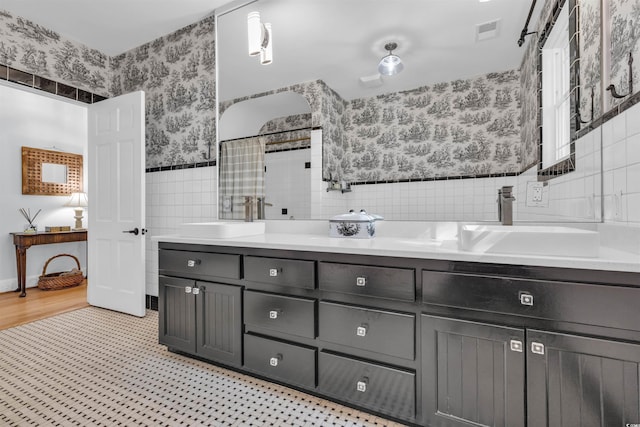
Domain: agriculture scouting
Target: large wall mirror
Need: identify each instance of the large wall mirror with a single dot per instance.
(435, 138)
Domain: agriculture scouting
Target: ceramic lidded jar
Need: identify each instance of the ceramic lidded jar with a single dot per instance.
(353, 225)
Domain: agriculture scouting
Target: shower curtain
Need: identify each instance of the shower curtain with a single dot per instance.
(241, 175)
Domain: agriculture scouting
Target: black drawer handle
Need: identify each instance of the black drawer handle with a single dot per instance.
(275, 360)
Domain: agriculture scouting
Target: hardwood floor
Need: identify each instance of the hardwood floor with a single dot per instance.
(39, 304)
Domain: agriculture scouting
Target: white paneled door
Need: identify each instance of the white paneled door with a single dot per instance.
(116, 210)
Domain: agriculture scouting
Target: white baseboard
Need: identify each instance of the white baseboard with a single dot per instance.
(7, 285)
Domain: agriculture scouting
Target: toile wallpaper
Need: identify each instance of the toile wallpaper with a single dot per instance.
(590, 59)
(625, 39)
(456, 128)
(460, 128)
(177, 73)
(27, 46)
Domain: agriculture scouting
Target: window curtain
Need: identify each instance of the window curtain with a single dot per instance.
(241, 175)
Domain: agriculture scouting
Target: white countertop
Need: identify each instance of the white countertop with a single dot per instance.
(435, 243)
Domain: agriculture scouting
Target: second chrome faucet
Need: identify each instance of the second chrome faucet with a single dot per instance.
(505, 205)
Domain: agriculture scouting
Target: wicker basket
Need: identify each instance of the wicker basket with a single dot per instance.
(60, 280)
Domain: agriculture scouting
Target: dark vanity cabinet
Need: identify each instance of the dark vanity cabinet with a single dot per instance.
(423, 342)
(487, 373)
(196, 316)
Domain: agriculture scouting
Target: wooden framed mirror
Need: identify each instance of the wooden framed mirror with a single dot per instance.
(50, 173)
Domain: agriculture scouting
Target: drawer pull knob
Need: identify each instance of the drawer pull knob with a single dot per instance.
(526, 299)
(187, 289)
(273, 314)
(537, 348)
(273, 272)
(361, 281)
(516, 345)
(361, 385)
(193, 262)
(361, 330)
(275, 360)
(196, 291)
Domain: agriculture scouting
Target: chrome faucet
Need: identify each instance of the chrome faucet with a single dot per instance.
(248, 209)
(260, 208)
(505, 205)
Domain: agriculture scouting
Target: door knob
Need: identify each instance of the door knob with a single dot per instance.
(135, 231)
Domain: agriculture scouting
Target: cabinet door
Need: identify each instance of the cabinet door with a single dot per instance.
(581, 381)
(473, 373)
(176, 313)
(219, 323)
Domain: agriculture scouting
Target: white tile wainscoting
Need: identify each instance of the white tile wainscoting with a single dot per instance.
(175, 197)
(621, 167)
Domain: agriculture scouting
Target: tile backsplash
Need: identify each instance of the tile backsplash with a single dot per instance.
(621, 167)
(174, 197)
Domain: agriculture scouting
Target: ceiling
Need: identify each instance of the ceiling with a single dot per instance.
(338, 41)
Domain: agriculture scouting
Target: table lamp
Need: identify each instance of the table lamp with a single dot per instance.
(78, 201)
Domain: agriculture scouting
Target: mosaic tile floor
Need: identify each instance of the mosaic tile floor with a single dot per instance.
(95, 367)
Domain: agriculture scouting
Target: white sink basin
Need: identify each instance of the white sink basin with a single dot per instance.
(529, 240)
(221, 229)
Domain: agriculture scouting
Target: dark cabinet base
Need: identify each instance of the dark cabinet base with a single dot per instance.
(582, 381)
(472, 373)
(201, 318)
(427, 342)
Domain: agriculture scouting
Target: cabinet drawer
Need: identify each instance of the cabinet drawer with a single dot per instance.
(378, 331)
(382, 282)
(279, 271)
(377, 387)
(599, 305)
(199, 264)
(275, 359)
(280, 313)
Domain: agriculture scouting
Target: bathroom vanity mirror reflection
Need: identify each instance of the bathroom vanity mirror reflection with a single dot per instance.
(433, 142)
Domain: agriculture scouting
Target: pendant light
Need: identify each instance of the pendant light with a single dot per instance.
(390, 64)
(255, 33)
(260, 38)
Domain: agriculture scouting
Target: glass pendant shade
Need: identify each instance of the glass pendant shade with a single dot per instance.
(390, 65)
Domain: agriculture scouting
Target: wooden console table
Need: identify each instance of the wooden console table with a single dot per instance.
(24, 241)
